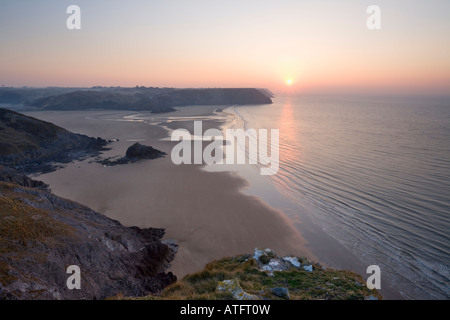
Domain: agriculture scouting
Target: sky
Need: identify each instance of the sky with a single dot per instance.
(321, 46)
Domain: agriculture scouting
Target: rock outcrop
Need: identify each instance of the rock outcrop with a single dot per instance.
(135, 153)
(269, 262)
(139, 151)
(246, 277)
(31, 145)
(233, 288)
(42, 234)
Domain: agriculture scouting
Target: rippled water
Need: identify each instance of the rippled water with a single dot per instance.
(377, 173)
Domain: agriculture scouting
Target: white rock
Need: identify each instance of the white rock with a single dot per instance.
(308, 268)
(257, 254)
(293, 260)
(274, 263)
(267, 268)
(233, 287)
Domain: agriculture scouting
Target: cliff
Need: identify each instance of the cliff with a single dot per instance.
(42, 234)
(31, 145)
(134, 153)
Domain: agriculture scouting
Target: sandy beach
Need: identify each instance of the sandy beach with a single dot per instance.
(206, 213)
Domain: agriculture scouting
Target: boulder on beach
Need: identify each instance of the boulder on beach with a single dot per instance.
(140, 151)
(134, 153)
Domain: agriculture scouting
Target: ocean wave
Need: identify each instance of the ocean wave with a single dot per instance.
(384, 196)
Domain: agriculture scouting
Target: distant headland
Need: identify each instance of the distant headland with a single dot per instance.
(139, 98)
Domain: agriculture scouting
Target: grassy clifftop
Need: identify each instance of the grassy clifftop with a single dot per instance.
(245, 277)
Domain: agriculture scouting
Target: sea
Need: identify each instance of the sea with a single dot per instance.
(373, 173)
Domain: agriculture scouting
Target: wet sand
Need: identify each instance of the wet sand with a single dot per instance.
(205, 212)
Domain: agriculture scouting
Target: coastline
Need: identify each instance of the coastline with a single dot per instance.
(206, 213)
(327, 250)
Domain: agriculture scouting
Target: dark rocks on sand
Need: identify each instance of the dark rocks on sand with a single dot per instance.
(140, 151)
(135, 153)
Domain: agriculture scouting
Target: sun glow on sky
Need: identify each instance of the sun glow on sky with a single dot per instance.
(203, 43)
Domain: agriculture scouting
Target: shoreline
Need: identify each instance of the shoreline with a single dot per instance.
(206, 213)
(328, 250)
(207, 221)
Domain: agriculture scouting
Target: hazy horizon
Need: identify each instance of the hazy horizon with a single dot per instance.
(323, 47)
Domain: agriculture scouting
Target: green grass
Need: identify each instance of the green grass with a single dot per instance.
(302, 285)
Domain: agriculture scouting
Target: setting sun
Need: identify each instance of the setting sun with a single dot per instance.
(289, 82)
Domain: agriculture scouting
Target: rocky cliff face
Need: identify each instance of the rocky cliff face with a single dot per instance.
(13, 176)
(31, 145)
(42, 234)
